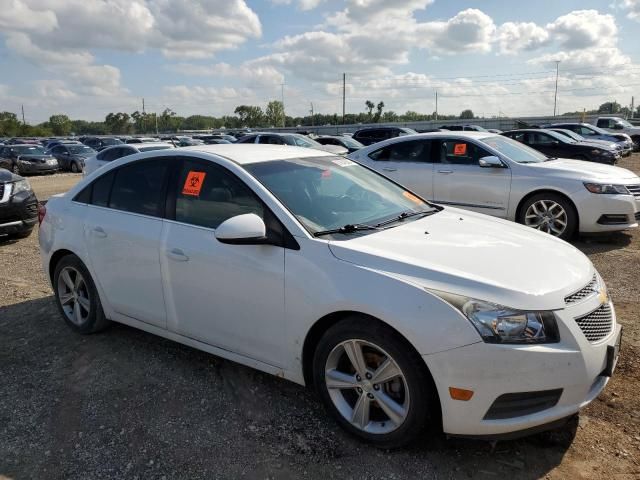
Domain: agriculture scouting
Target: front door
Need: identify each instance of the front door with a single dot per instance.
(122, 231)
(460, 181)
(228, 296)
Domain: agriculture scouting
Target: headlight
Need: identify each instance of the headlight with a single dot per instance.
(600, 152)
(24, 162)
(21, 186)
(499, 324)
(607, 188)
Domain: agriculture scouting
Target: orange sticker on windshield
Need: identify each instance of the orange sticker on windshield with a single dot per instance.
(411, 197)
(460, 149)
(193, 183)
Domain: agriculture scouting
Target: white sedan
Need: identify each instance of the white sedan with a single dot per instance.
(113, 153)
(402, 314)
(498, 176)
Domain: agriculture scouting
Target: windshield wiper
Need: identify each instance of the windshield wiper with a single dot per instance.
(348, 228)
(404, 215)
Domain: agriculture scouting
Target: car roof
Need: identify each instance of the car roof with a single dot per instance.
(245, 153)
(461, 134)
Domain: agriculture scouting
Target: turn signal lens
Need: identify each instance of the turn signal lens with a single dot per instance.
(460, 394)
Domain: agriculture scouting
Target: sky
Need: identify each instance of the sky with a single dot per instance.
(86, 58)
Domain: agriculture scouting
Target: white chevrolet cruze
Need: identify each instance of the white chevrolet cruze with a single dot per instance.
(496, 175)
(306, 265)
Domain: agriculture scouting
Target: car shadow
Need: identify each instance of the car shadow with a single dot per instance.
(125, 403)
(602, 243)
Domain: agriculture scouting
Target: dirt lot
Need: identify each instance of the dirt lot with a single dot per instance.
(126, 404)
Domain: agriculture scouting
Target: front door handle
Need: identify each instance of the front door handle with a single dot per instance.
(99, 232)
(445, 172)
(177, 255)
(387, 169)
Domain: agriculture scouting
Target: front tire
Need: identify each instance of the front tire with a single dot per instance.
(550, 213)
(373, 382)
(74, 167)
(77, 297)
(16, 169)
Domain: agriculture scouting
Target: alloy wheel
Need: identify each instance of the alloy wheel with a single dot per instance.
(73, 295)
(16, 169)
(547, 216)
(367, 386)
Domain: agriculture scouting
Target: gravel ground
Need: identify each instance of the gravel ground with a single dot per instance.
(126, 404)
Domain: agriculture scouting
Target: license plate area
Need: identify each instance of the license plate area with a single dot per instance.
(613, 352)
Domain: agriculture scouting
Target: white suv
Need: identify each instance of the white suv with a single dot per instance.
(311, 267)
(498, 176)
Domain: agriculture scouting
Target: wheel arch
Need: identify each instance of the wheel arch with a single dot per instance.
(55, 258)
(524, 199)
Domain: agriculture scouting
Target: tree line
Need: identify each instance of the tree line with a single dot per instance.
(245, 116)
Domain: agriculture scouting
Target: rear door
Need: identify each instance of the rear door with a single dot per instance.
(408, 163)
(460, 181)
(122, 232)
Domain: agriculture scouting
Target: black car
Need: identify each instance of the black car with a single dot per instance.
(18, 206)
(100, 143)
(464, 128)
(346, 142)
(71, 156)
(23, 159)
(556, 145)
(370, 135)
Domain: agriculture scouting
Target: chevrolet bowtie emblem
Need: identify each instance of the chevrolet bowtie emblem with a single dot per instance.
(603, 296)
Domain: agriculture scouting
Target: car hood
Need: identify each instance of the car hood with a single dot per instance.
(8, 176)
(602, 144)
(337, 149)
(580, 169)
(474, 255)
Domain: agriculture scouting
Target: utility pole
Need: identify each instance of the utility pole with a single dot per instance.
(284, 115)
(23, 122)
(312, 125)
(156, 124)
(632, 106)
(436, 105)
(555, 98)
(144, 129)
(344, 93)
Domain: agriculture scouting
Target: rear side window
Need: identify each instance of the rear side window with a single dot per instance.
(101, 189)
(140, 188)
(417, 151)
(207, 195)
(459, 152)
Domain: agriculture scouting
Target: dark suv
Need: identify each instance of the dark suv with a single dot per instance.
(18, 206)
(370, 135)
(100, 143)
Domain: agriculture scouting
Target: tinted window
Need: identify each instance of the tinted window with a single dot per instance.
(270, 139)
(139, 187)
(101, 190)
(519, 136)
(147, 149)
(541, 139)
(412, 151)
(59, 149)
(207, 195)
(459, 152)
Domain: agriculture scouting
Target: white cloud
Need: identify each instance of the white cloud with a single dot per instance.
(634, 9)
(515, 37)
(249, 73)
(303, 5)
(471, 30)
(584, 28)
(605, 60)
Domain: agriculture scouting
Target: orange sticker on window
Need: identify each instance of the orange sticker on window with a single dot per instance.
(412, 197)
(193, 183)
(460, 149)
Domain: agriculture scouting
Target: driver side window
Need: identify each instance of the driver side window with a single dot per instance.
(460, 152)
(414, 151)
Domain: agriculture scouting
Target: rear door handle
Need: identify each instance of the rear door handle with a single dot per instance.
(177, 255)
(445, 172)
(99, 232)
(387, 169)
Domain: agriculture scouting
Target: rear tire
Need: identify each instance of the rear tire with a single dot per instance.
(77, 298)
(74, 167)
(551, 213)
(388, 400)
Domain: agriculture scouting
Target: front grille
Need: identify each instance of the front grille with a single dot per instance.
(585, 292)
(511, 405)
(32, 210)
(1, 190)
(597, 324)
(638, 215)
(634, 189)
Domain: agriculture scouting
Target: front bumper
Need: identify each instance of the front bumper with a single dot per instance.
(592, 207)
(19, 214)
(30, 167)
(575, 366)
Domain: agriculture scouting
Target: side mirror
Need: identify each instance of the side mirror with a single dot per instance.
(247, 229)
(618, 126)
(490, 162)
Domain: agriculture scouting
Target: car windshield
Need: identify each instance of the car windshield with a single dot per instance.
(29, 150)
(351, 143)
(326, 193)
(598, 130)
(624, 123)
(153, 147)
(407, 131)
(80, 150)
(515, 150)
(570, 134)
(302, 141)
(111, 141)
